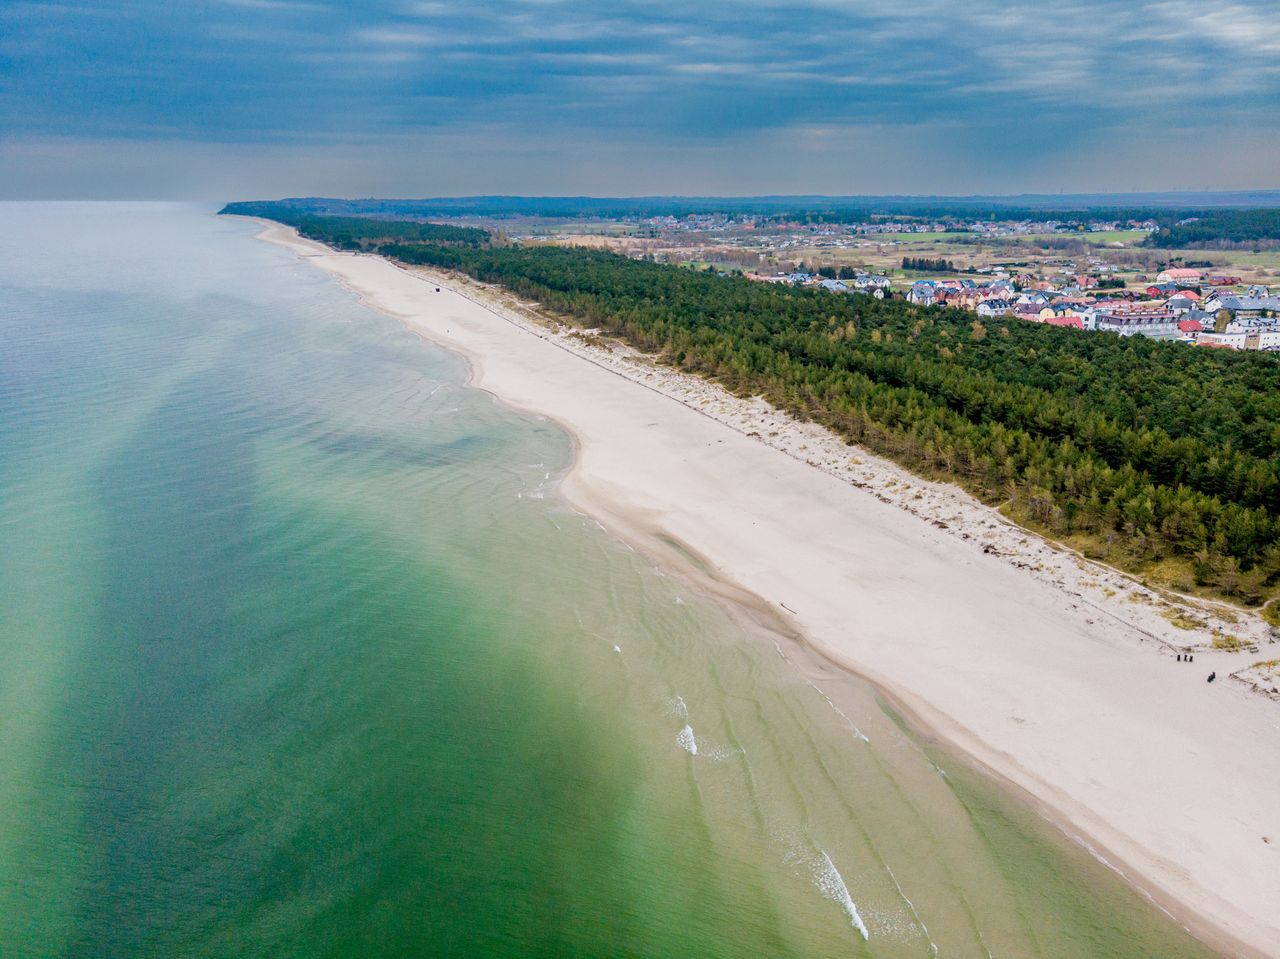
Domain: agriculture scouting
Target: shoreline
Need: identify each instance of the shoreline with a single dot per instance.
(1163, 778)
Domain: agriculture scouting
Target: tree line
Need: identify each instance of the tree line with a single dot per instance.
(926, 265)
(1139, 452)
(359, 232)
(1229, 226)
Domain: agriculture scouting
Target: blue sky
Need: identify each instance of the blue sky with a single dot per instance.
(246, 98)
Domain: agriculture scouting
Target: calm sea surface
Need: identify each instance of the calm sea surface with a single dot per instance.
(300, 655)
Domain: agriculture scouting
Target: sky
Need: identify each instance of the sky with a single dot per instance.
(221, 99)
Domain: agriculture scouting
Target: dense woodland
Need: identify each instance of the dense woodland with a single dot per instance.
(1146, 454)
(362, 233)
(1207, 229)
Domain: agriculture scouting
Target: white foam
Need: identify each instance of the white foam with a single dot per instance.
(933, 948)
(720, 753)
(679, 708)
(840, 712)
(827, 878)
(685, 740)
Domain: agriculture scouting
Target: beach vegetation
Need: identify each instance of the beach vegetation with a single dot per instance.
(1228, 643)
(1182, 619)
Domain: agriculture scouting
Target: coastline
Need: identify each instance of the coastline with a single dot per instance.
(1168, 779)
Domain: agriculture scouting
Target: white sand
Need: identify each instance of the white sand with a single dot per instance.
(1037, 673)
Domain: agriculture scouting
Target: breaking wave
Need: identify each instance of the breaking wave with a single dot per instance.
(827, 878)
(685, 740)
(822, 870)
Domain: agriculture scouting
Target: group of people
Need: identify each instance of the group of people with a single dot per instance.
(1190, 658)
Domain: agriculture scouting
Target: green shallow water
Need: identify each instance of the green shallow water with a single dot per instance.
(302, 656)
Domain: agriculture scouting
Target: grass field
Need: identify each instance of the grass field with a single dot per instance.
(1111, 237)
(1106, 238)
(918, 237)
(1268, 261)
(588, 228)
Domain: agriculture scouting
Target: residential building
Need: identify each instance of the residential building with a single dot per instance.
(1189, 330)
(1262, 340)
(923, 293)
(1242, 306)
(1156, 324)
(1180, 275)
(1231, 341)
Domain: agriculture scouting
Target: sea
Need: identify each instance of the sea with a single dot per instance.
(303, 654)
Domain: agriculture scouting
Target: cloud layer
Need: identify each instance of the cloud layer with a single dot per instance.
(745, 96)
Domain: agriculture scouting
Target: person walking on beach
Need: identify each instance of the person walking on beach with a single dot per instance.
(1212, 676)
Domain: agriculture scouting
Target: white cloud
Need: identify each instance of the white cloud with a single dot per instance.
(990, 84)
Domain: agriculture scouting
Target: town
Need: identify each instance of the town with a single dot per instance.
(1095, 273)
(1184, 304)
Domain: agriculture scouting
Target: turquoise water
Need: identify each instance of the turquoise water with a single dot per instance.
(302, 656)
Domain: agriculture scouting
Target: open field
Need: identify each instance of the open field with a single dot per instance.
(1013, 255)
(918, 237)
(1046, 254)
(588, 228)
(1262, 262)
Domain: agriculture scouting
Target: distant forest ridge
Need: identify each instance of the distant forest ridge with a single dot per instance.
(360, 231)
(1165, 208)
(1233, 226)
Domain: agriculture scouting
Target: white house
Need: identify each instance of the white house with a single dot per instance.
(1262, 340)
(1235, 341)
(1158, 325)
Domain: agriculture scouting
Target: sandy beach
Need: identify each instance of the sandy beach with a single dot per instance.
(1055, 674)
